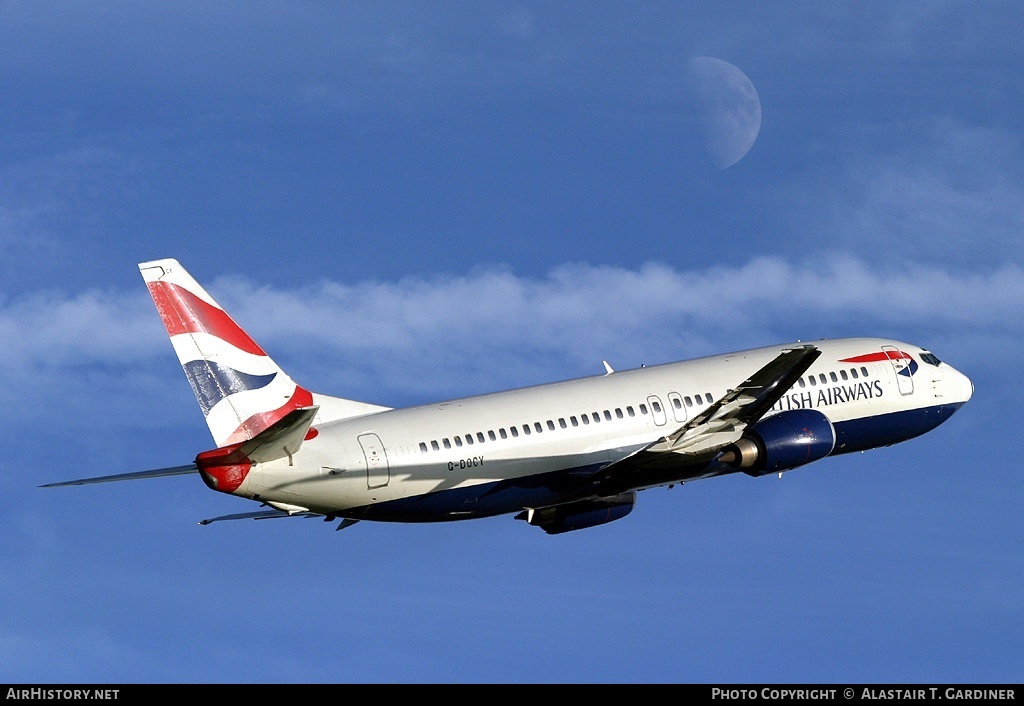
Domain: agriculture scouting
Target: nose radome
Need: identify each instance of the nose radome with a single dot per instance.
(966, 390)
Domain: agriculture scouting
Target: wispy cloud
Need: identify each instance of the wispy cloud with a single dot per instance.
(491, 328)
(51, 204)
(956, 194)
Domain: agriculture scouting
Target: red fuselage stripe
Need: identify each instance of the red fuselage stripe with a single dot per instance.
(875, 357)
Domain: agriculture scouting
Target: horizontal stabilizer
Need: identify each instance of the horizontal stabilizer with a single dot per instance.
(282, 438)
(273, 514)
(259, 515)
(157, 473)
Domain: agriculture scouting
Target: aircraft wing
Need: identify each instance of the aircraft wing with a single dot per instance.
(724, 421)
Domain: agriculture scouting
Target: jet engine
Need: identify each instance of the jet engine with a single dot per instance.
(782, 441)
(581, 514)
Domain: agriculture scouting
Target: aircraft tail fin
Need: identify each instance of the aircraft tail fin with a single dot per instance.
(240, 389)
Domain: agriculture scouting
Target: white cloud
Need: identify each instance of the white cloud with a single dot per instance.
(50, 331)
(578, 306)
(492, 329)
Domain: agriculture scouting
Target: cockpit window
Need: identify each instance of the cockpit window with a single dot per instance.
(930, 358)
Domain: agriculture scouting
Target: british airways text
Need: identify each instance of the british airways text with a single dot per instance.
(826, 396)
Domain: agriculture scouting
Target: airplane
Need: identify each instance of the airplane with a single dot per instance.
(562, 456)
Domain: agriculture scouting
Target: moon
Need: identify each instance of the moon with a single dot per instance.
(729, 106)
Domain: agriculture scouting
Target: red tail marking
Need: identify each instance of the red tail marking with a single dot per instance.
(184, 312)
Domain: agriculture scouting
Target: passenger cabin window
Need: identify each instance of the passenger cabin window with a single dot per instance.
(491, 436)
(574, 421)
(586, 419)
(824, 380)
(810, 379)
(458, 441)
(688, 401)
(607, 416)
(423, 448)
(863, 371)
(538, 427)
(618, 413)
(657, 407)
(676, 403)
(447, 444)
(801, 382)
(629, 411)
(551, 425)
(853, 372)
(833, 376)
(469, 438)
(526, 429)
(643, 409)
(502, 433)
(842, 374)
(433, 445)
(514, 431)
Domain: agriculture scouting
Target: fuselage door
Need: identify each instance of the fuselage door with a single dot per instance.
(378, 471)
(675, 401)
(901, 363)
(657, 409)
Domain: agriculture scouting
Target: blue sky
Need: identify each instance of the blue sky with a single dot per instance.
(406, 202)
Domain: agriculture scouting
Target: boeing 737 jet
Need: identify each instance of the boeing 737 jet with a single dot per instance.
(562, 456)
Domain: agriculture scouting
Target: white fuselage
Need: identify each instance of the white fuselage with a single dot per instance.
(484, 452)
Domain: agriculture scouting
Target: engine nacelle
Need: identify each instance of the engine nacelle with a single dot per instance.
(782, 441)
(579, 515)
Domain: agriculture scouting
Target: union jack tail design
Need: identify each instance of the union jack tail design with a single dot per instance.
(240, 389)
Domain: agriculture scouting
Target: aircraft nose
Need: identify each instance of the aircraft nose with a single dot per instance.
(963, 385)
